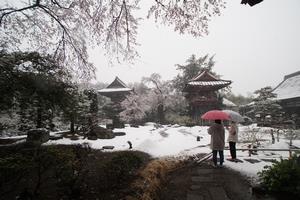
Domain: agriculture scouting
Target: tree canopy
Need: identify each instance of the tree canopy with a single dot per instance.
(66, 29)
(193, 67)
(264, 93)
(32, 84)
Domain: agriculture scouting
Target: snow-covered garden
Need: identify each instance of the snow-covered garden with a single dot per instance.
(181, 142)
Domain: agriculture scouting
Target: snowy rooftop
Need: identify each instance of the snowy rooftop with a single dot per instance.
(206, 80)
(209, 83)
(228, 103)
(116, 86)
(289, 87)
(114, 90)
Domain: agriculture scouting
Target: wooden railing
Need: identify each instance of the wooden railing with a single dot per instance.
(251, 150)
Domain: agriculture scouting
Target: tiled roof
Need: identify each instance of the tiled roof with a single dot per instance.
(117, 83)
(289, 87)
(116, 86)
(106, 90)
(206, 81)
(209, 83)
(205, 76)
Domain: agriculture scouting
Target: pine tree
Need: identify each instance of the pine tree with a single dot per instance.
(267, 110)
(193, 67)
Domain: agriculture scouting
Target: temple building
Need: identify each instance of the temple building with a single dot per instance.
(117, 92)
(202, 93)
(288, 95)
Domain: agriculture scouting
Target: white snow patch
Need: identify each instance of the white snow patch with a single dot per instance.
(181, 141)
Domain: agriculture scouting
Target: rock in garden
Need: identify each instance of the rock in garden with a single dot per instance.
(38, 136)
(119, 133)
(100, 133)
(108, 147)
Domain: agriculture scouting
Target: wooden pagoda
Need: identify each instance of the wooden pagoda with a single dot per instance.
(202, 93)
(117, 92)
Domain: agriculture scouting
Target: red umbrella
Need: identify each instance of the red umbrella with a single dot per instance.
(215, 114)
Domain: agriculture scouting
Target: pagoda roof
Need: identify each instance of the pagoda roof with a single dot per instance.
(116, 86)
(206, 80)
(107, 90)
(117, 83)
(205, 76)
(289, 88)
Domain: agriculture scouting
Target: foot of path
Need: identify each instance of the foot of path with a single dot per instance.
(204, 182)
(208, 183)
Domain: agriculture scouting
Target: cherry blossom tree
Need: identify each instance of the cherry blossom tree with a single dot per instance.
(135, 108)
(160, 95)
(66, 29)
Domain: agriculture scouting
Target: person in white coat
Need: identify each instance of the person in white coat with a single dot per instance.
(233, 131)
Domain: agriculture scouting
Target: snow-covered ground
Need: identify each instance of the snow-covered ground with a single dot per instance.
(181, 141)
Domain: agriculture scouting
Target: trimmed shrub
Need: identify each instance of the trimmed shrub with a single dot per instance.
(181, 120)
(121, 168)
(283, 177)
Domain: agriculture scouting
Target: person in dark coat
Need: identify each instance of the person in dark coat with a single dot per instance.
(217, 141)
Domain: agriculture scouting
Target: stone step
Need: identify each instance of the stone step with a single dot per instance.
(194, 196)
(203, 179)
(205, 171)
(218, 193)
(196, 187)
(252, 161)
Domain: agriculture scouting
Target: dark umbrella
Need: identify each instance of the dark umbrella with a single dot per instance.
(215, 114)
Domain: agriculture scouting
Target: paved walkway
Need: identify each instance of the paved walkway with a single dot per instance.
(204, 182)
(209, 183)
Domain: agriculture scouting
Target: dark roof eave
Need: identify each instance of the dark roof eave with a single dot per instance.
(206, 87)
(209, 83)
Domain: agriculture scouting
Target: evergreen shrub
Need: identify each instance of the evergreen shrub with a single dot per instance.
(283, 177)
(122, 167)
(181, 120)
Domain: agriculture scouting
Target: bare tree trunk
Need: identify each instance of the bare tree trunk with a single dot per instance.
(39, 118)
(72, 124)
(273, 137)
(160, 114)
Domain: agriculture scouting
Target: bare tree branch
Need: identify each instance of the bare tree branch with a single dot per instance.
(15, 10)
(53, 25)
(127, 25)
(58, 4)
(66, 31)
(160, 3)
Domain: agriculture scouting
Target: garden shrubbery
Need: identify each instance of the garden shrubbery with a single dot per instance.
(121, 168)
(66, 172)
(152, 179)
(181, 120)
(283, 177)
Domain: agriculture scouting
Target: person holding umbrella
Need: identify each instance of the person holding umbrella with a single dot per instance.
(232, 139)
(233, 132)
(217, 133)
(217, 141)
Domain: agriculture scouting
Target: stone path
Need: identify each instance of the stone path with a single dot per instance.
(207, 185)
(210, 183)
(202, 181)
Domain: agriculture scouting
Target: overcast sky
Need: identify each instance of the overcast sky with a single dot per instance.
(253, 46)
